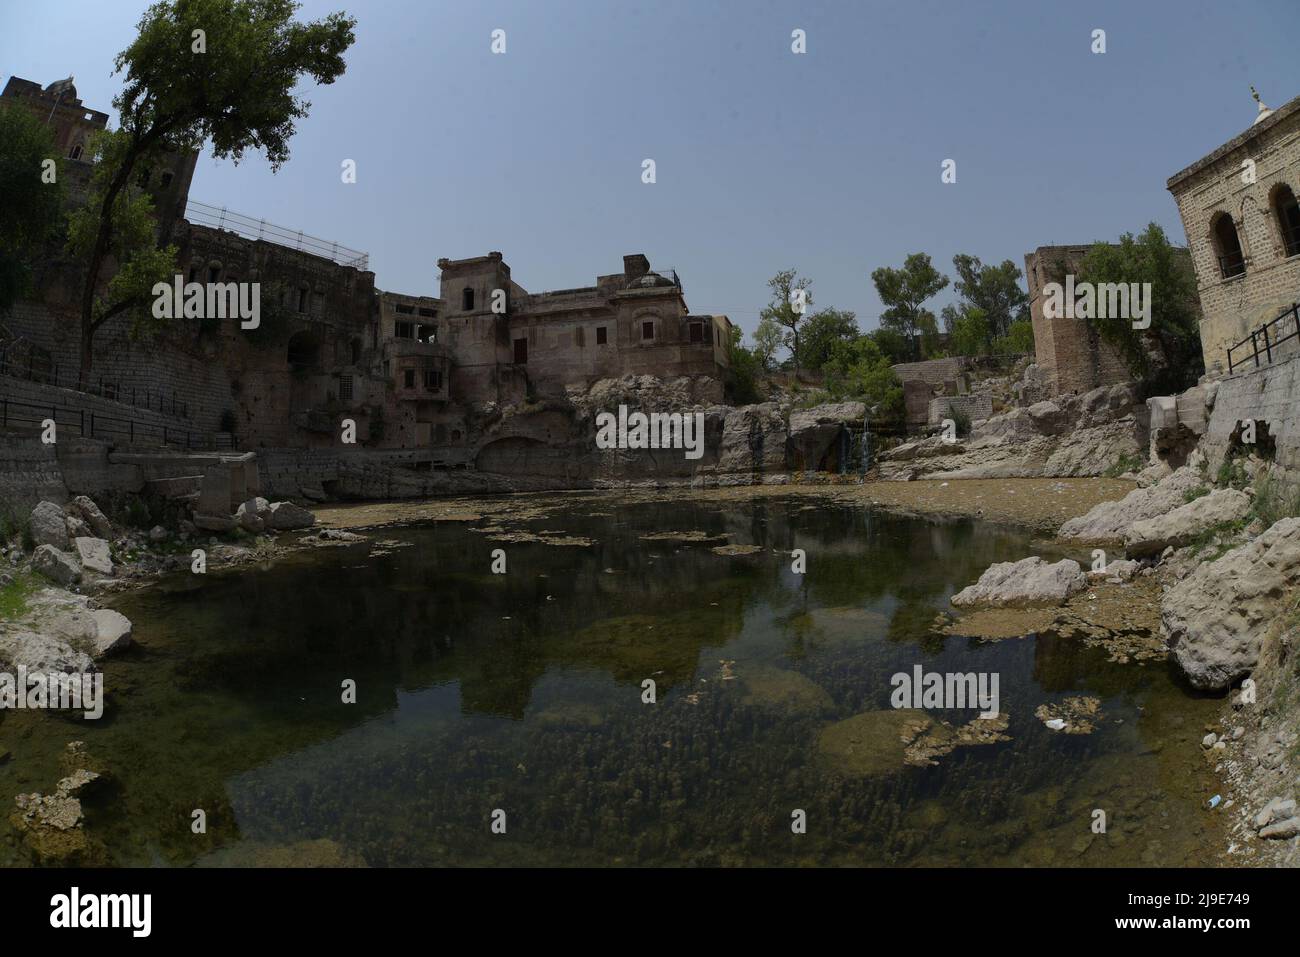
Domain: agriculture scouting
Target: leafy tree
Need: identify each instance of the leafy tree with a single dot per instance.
(968, 332)
(1019, 339)
(745, 369)
(893, 344)
(768, 337)
(32, 209)
(857, 369)
(822, 332)
(1174, 333)
(783, 310)
(904, 292)
(131, 243)
(223, 71)
(993, 289)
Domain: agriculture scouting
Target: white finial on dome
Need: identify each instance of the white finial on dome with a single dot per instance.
(1264, 111)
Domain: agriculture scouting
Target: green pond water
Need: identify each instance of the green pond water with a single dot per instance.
(523, 692)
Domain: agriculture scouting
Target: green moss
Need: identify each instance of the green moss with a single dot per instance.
(13, 597)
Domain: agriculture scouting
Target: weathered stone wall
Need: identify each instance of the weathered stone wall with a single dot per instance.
(73, 411)
(1219, 184)
(1270, 395)
(975, 406)
(933, 372)
(29, 473)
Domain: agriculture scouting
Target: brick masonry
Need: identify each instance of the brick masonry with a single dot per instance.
(1219, 186)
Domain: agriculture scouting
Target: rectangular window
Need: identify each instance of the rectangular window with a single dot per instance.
(345, 388)
(427, 312)
(403, 330)
(697, 332)
(303, 295)
(426, 333)
(647, 330)
(408, 378)
(521, 351)
(432, 380)
(403, 309)
(601, 335)
(579, 337)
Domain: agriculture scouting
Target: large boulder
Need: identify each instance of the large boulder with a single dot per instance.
(42, 654)
(1215, 618)
(91, 514)
(1030, 581)
(285, 516)
(95, 555)
(1184, 524)
(753, 440)
(56, 565)
(1112, 520)
(112, 631)
(49, 526)
(253, 514)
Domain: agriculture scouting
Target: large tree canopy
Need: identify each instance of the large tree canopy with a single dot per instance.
(904, 292)
(791, 297)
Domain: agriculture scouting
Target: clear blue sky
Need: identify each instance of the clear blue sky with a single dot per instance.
(827, 162)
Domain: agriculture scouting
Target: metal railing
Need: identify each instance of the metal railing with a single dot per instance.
(23, 366)
(95, 425)
(1271, 335)
(1232, 265)
(218, 217)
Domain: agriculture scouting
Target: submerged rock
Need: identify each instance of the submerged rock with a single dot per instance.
(783, 690)
(882, 742)
(1075, 715)
(1030, 581)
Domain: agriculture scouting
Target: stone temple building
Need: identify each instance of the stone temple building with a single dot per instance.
(1238, 206)
(412, 371)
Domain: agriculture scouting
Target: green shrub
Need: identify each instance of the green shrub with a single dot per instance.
(1275, 499)
(1232, 474)
(1127, 462)
(1192, 494)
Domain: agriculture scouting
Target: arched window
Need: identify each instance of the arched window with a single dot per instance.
(1227, 246)
(467, 299)
(1287, 212)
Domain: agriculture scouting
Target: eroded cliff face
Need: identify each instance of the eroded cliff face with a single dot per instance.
(1068, 436)
(724, 445)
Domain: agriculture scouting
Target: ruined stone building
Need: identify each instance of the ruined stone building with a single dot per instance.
(1238, 206)
(1070, 353)
(409, 370)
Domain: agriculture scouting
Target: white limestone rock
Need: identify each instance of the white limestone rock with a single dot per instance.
(1028, 582)
(49, 526)
(1215, 618)
(56, 565)
(1151, 536)
(95, 555)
